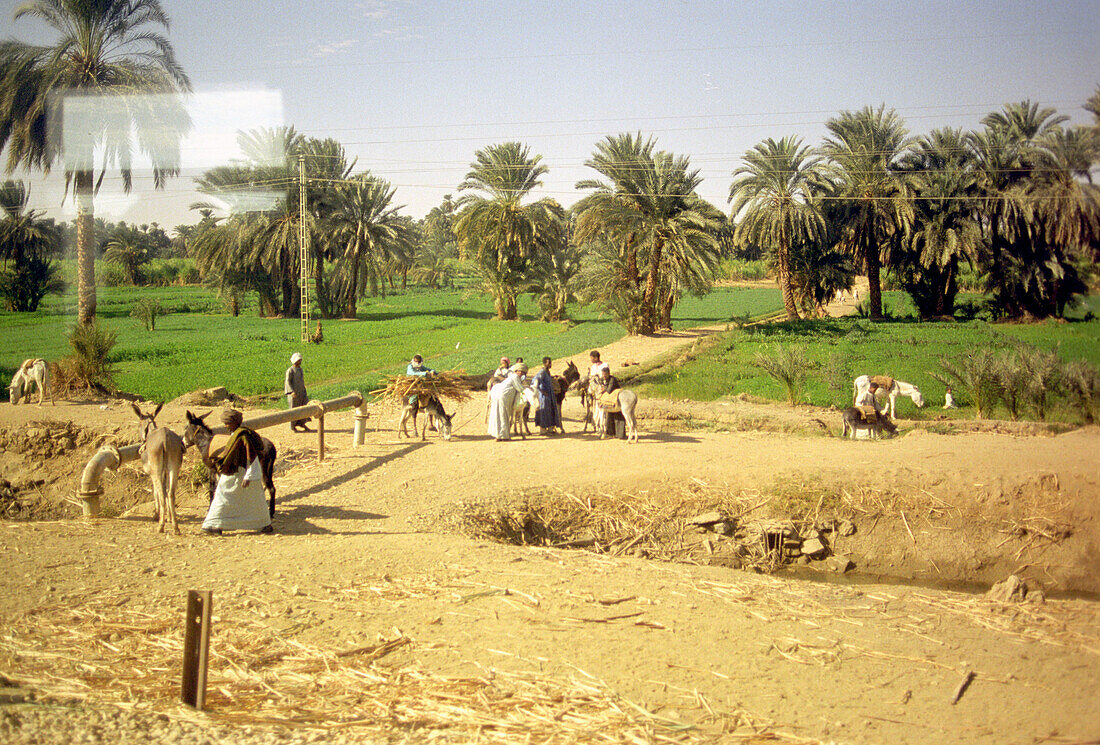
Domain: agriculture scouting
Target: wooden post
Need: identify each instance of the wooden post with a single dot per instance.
(196, 646)
(321, 436)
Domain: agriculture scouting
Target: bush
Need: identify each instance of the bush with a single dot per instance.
(147, 310)
(978, 374)
(110, 275)
(1081, 383)
(23, 286)
(90, 366)
(788, 365)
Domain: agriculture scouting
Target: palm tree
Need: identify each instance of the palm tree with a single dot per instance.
(263, 242)
(775, 203)
(366, 231)
(507, 232)
(27, 242)
(945, 231)
(97, 77)
(1036, 211)
(648, 204)
(129, 248)
(866, 145)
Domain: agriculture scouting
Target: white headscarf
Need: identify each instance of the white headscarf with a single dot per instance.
(296, 357)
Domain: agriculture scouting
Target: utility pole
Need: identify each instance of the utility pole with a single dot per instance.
(303, 246)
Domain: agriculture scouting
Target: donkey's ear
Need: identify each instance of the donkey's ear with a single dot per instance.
(203, 417)
(136, 409)
(156, 411)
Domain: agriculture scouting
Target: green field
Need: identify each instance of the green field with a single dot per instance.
(904, 349)
(198, 345)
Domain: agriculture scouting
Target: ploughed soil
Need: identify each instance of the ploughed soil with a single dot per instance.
(554, 587)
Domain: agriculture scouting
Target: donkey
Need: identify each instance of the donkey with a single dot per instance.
(889, 387)
(854, 423)
(628, 402)
(200, 435)
(525, 403)
(162, 459)
(30, 374)
(434, 414)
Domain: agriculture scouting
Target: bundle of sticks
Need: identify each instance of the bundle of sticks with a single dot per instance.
(450, 384)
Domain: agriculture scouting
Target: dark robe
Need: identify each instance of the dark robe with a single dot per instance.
(548, 415)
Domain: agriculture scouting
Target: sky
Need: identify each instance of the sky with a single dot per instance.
(413, 89)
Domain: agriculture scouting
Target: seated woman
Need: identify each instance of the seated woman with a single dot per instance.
(239, 501)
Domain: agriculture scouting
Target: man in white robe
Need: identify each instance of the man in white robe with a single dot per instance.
(239, 501)
(502, 400)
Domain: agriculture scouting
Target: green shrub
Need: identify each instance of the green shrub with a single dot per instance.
(147, 310)
(109, 274)
(788, 365)
(90, 366)
(977, 374)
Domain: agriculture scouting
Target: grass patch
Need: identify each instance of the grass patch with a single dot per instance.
(905, 349)
(198, 345)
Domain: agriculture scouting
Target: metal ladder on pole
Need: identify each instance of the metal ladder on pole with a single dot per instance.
(303, 248)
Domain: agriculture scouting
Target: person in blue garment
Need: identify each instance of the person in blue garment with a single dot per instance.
(548, 417)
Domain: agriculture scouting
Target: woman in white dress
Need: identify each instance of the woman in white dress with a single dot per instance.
(502, 400)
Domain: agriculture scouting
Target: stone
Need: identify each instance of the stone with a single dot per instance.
(723, 527)
(707, 518)
(1011, 590)
(845, 527)
(1035, 596)
(838, 563)
(812, 547)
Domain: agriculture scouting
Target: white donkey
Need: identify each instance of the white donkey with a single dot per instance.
(628, 402)
(890, 388)
(30, 374)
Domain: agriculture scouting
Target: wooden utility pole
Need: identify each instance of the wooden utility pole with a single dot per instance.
(303, 247)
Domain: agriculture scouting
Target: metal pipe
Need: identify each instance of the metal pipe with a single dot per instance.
(110, 457)
(90, 490)
(359, 434)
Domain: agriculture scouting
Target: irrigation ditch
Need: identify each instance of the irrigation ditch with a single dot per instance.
(812, 530)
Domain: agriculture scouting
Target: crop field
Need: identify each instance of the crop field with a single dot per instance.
(846, 347)
(198, 345)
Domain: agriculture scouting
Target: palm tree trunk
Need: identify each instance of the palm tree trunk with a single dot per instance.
(874, 292)
(649, 297)
(85, 249)
(785, 281)
(350, 310)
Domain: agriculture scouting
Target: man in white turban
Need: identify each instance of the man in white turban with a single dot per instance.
(295, 389)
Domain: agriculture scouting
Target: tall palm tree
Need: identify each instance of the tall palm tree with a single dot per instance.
(945, 231)
(1037, 212)
(775, 203)
(650, 195)
(366, 231)
(866, 145)
(87, 93)
(262, 191)
(506, 231)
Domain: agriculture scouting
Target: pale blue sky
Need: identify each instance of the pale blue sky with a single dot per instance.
(413, 88)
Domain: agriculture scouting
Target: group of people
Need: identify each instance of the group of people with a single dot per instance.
(507, 382)
(510, 379)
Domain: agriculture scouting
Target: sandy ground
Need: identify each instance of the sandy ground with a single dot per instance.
(361, 553)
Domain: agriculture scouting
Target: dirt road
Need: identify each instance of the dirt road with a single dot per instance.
(367, 610)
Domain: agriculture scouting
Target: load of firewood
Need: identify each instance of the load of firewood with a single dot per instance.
(451, 384)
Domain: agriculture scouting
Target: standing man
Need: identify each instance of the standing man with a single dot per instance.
(610, 385)
(295, 389)
(548, 417)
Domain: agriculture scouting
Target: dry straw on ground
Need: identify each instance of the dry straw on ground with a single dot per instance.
(100, 651)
